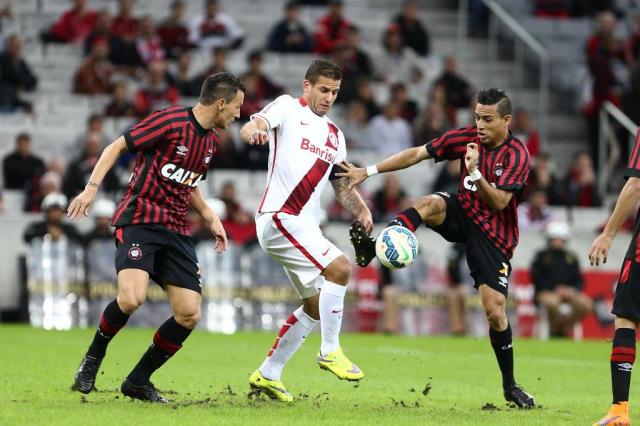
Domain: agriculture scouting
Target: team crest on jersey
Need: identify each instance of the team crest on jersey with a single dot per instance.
(499, 171)
(207, 158)
(135, 252)
(182, 150)
(332, 139)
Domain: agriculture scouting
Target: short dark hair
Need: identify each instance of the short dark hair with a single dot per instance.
(23, 136)
(323, 68)
(292, 4)
(222, 85)
(496, 97)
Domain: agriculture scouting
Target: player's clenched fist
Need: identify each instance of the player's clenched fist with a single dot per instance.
(259, 137)
(471, 157)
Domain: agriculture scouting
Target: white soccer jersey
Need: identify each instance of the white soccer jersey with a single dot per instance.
(303, 149)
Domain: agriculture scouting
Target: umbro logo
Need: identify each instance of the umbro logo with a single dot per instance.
(626, 367)
(182, 150)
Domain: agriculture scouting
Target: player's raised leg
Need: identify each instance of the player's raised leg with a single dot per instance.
(623, 356)
(132, 291)
(501, 337)
(166, 342)
(291, 336)
(431, 209)
(331, 357)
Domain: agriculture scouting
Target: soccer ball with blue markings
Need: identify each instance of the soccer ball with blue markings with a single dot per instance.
(396, 247)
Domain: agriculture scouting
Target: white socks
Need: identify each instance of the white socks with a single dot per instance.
(331, 307)
(294, 331)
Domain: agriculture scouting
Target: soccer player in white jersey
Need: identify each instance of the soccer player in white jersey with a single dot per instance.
(304, 149)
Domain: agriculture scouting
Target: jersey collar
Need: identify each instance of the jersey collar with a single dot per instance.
(302, 101)
(201, 130)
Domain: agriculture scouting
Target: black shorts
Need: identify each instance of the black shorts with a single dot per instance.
(487, 264)
(167, 256)
(626, 303)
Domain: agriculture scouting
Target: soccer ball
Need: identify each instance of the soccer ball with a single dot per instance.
(396, 247)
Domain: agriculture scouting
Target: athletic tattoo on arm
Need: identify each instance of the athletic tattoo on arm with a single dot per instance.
(349, 198)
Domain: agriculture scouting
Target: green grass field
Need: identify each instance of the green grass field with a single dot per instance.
(437, 380)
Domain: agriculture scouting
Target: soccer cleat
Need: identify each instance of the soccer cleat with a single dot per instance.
(273, 388)
(339, 364)
(618, 415)
(147, 393)
(86, 375)
(364, 245)
(518, 396)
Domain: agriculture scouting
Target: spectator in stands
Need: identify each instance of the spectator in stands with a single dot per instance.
(389, 199)
(290, 35)
(73, 26)
(101, 31)
(120, 105)
(558, 282)
(458, 92)
(21, 166)
(630, 104)
(266, 88)
(53, 227)
(148, 43)
(125, 29)
(414, 34)
(215, 29)
(456, 270)
(182, 78)
(157, 92)
(398, 95)
(40, 187)
(15, 76)
(580, 186)
(632, 44)
(534, 213)
(389, 132)
(79, 170)
(331, 29)
(173, 32)
(355, 64)
(94, 75)
(95, 127)
(522, 128)
(355, 127)
(448, 178)
(102, 212)
(397, 63)
(218, 64)
(365, 95)
(553, 8)
(238, 222)
(543, 178)
(431, 124)
(253, 100)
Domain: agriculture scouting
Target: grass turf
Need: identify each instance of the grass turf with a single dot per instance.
(436, 380)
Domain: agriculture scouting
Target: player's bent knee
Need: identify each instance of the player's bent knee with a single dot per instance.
(128, 301)
(497, 317)
(338, 271)
(189, 317)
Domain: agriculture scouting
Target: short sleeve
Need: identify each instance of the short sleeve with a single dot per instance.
(452, 145)
(149, 132)
(342, 156)
(516, 169)
(633, 166)
(275, 112)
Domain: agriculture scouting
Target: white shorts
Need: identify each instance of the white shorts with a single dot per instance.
(299, 246)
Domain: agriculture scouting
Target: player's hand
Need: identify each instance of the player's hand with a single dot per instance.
(356, 175)
(471, 157)
(80, 205)
(259, 137)
(366, 219)
(219, 234)
(600, 249)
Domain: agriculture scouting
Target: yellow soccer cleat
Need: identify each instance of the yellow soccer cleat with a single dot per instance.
(339, 364)
(618, 415)
(273, 388)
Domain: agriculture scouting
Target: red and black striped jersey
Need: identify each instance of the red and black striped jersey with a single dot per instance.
(174, 152)
(505, 167)
(633, 170)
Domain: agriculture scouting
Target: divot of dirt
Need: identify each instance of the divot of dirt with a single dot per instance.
(490, 407)
(427, 389)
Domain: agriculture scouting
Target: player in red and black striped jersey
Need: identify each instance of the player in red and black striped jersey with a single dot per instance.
(494, 169)
(174, 148)
(626, 303)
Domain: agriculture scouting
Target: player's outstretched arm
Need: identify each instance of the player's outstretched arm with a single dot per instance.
(401, 160)
(255, 132)
(80, 205)
(353, 202)
(210, 217)
(627, 199)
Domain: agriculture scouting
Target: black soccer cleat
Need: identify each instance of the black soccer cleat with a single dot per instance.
(364, 245)
(86, 375)
(518, 396)
(147, 393)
